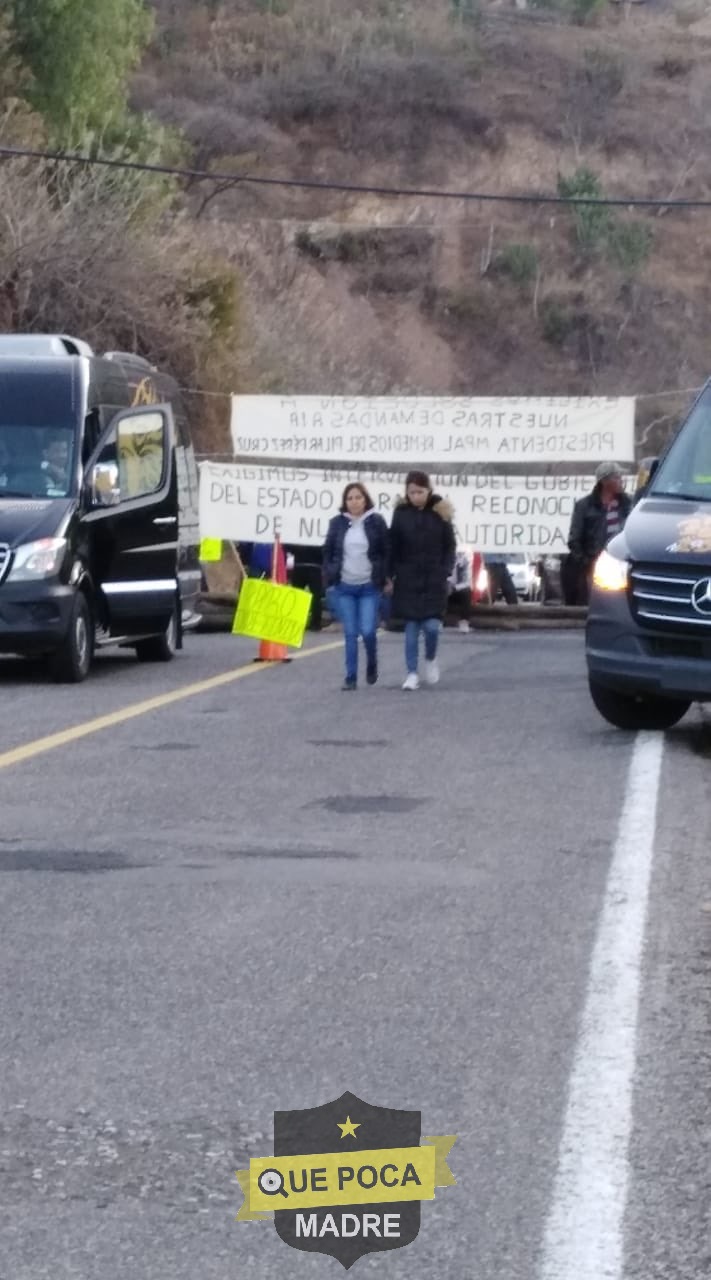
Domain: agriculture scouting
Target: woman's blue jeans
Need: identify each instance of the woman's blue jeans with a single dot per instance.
(358, 611)
(431, 629)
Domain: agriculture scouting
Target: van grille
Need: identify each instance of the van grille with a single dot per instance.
(678, 647)
(662, 596)
(4, 559)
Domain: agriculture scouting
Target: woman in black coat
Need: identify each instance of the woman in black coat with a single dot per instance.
(422, 554)
(355, 562)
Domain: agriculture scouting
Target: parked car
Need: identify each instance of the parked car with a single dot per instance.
(524, 575)
(550, 572)
(524, 572)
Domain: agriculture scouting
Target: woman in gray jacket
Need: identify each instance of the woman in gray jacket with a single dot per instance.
(355, 559)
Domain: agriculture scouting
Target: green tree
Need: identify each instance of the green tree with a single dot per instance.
(18, 123)
(80, 56)
(592, 221)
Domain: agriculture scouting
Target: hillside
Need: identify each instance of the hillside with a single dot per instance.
(372, 294)
(364, 293)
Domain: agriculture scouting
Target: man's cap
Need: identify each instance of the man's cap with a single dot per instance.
(607, 470)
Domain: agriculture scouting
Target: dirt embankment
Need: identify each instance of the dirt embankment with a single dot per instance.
(365, 293)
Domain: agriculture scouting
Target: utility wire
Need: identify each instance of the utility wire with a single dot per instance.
(312, 184)
(11, 153)
(643, 395)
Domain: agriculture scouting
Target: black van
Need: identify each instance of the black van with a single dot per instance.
(648, 640)
(98, 505)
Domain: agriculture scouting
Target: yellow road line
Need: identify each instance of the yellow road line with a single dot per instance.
(65, 736)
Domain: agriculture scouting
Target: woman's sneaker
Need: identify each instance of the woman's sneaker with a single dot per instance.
(371, 674)
(432, 672)
(412, 681)
(349, 685)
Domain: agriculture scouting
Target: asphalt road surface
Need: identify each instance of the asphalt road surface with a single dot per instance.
(476, 901)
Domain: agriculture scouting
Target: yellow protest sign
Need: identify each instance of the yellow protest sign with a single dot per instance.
(268, 611)
(210, 550)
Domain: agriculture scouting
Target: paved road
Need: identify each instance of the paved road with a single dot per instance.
(270, 892)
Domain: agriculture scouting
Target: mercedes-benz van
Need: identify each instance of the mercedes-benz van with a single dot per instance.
(648, 638)
(98, 505)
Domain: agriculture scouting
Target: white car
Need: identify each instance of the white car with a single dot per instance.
(524, 575)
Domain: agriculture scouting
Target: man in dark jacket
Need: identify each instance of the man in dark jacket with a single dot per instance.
(597, 518)
(422, 555)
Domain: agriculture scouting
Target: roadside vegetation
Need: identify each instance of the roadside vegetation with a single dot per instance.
(286, 289)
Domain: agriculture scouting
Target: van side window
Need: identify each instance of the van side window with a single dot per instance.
(141, 455)
(108, 453)
(92, 434)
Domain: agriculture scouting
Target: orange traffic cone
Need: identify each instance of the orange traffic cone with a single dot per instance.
(269, 651)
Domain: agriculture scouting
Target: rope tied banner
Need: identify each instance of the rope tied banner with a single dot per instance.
(429, 431)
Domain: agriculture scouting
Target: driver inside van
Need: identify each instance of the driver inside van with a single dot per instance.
(4, 465)
(702, 460)
(56, 463)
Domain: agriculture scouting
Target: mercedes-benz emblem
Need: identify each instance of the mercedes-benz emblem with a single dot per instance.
(701, 597)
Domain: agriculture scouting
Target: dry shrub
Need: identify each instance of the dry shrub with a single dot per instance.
(380, 245)
(673, 68)
(217, 130)
(393, 280)
(379, 104)
(390, 261)
(84, 253)
(380, 76)
(591, 90)
(388, 90)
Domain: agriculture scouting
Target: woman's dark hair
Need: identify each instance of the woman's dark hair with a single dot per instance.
(369, 504)
(420, 478)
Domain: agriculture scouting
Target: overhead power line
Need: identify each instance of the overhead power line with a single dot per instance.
(676, 392)
(355, 188)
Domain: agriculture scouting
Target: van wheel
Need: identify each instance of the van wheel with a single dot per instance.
(160, 648)
(628, 711)
(71, 662)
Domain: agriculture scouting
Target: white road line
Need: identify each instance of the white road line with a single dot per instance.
(584, 1232)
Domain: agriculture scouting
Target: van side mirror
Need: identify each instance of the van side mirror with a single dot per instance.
(104, 485)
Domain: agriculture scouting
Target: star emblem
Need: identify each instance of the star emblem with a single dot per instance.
(348, 1130)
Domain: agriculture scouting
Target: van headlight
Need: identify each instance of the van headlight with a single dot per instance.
(41, 559)
(610, 574)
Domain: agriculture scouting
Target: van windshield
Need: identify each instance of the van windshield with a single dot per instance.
(35, 462)
(40, 421)
(686, 470)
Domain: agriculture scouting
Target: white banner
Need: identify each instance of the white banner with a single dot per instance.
(492, 513)
(424, 431)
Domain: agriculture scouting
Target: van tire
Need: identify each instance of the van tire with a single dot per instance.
(71, 662)
(161, 648)
(631, 711)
